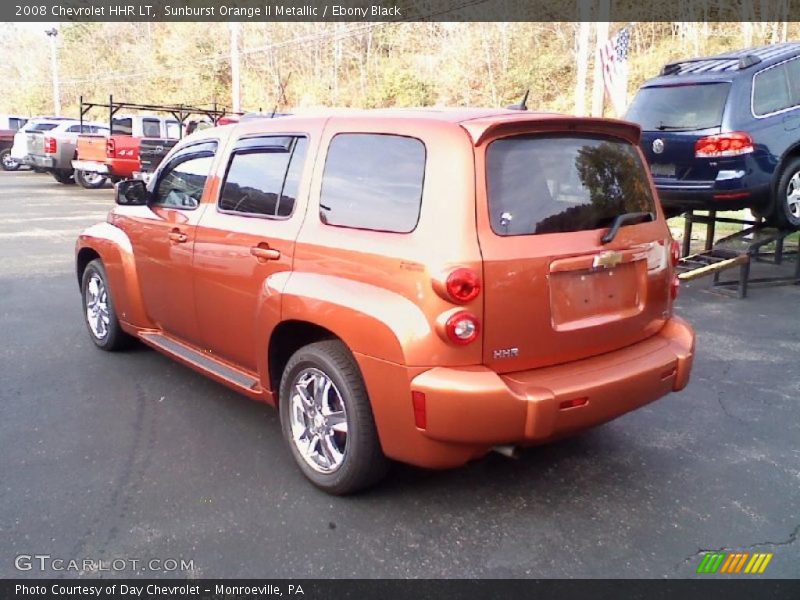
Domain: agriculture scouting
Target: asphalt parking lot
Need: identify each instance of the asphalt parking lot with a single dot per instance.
(109, 456)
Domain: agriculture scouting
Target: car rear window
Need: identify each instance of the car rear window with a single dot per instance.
(679, 107)
(373, 181)
(554, 183)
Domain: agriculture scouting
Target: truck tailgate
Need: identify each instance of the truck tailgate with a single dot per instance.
(92, 147)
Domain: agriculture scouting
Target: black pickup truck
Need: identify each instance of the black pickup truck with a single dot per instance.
(151, 152)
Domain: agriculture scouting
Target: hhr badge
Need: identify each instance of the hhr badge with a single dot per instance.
(658, 145)
(505, 353)
(607, 260)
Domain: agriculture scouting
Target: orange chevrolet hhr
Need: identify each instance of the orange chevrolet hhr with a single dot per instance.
(416, 285)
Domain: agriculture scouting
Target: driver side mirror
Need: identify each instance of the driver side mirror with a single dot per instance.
(131, 192)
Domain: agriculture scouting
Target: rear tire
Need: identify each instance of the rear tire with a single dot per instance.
(327, 421)
(64, 177)
(98, 309)
(90, 181)
(8, 162)
(786, 205)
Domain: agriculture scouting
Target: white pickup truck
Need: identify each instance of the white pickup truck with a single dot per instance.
(53, 151)
(19, 150)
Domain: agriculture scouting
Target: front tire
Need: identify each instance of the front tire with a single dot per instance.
(63, 177)
(786, 208)
(327, 421)
(8, 162)
(90, 181)
(98, 309)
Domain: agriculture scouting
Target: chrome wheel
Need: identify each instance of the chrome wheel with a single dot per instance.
(9, 162)
(793, 196)
(318, 420)
(93, 179)
(97, 313)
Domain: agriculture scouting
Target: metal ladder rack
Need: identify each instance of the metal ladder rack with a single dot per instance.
(736, 250)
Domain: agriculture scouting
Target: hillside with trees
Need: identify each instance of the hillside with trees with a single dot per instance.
(303, 65)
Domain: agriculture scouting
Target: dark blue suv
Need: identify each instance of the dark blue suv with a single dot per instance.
(724, 132)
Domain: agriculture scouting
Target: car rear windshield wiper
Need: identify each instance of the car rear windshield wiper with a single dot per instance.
(633, 217)
(667, 127)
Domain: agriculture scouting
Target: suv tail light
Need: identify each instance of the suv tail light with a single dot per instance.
(463, 285)
(111, 147)
(723, 144)
(674, 252)
(50, 145)
(462, 328)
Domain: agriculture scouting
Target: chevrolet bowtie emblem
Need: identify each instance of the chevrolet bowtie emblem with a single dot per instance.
(607, 259)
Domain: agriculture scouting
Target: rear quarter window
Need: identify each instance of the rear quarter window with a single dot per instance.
(776, 88)
(551, 184)
(373, 181)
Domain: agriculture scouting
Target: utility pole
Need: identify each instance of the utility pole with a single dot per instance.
(601, 29)
(236, 84)
(583, 67)
(53, 34)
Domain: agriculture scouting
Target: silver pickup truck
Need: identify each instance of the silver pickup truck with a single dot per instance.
(54, 150)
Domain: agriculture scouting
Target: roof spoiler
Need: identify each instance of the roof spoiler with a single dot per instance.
(745, 62)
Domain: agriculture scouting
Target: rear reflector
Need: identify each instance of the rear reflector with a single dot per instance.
(418, 402)
(723, 144)
(674, 252)
(731, 195)
(574, 403)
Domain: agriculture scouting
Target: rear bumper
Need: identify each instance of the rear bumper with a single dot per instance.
(476, 406)
(90, 166)
(709, 195)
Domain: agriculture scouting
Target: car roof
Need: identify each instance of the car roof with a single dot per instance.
(477, 122)
(724, 67)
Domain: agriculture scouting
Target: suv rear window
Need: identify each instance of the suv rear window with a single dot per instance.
(373, 181)
(550, 184)
(679, 107)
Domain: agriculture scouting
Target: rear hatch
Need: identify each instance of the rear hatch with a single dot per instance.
(673, 118)
(554, 291)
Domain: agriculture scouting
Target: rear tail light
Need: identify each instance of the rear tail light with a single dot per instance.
(723, 144)
(420, 415)
(111, 147)
(573, 403)
(463, 285)
(674, 253)
(675, 287)
(50, 145)
(462, 328)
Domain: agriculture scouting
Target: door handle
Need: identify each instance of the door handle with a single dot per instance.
(177, 237)
(263, 253)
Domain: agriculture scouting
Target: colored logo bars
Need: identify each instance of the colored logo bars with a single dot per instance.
(734, 562)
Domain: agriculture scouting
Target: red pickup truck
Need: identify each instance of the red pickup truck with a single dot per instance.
(117, 156)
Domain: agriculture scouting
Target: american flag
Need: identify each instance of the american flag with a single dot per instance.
(614, 59)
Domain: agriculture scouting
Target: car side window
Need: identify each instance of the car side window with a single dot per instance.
(263, 176)
(373, 181)
(122, 126)
(771, 91)
(74, 129)
(181, 182)
(151, 128)
(793, 75)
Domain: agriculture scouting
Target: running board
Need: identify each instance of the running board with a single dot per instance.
(201, 361)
